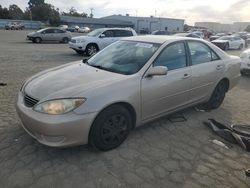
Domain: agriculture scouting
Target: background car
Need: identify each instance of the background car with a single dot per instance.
(199, 33)
(192, 35)
(84, 30)
(50, 34)
(216, 36)
(14, 26)
(245, 62)
(160, 32)
(99, 39)
(73, 28)
(63, 27)
(127, 84)
(229, 42)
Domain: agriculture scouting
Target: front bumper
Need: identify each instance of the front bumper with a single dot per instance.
(245, 65)
(29, 38)
(55, 130)
(76, 46)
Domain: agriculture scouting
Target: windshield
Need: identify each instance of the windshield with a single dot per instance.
(225, 38)
(41, 30)
(124, 57)
(95, 33)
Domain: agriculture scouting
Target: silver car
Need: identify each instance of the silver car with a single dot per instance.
(50, 34)
(133, 81)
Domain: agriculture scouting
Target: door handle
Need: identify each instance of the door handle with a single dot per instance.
(185, 76)
(219, 67)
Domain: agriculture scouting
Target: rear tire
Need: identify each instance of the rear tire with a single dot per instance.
(217, 97)
(110, 128)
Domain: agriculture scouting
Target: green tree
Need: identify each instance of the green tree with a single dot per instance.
(4, 13)
(34, 3)
(248, 28)
(73, 12)
(15, 12)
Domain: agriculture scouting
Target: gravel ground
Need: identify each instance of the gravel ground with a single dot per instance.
(159, 154)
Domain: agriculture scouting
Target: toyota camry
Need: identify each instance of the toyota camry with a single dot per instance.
(135, 80)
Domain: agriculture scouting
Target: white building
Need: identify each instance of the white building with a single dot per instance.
(151, 23)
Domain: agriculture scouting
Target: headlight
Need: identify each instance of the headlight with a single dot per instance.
(59, 106)
(80, 41)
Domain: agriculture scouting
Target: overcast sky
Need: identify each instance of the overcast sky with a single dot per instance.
(224, 11)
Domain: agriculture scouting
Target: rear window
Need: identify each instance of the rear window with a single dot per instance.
(123, 33)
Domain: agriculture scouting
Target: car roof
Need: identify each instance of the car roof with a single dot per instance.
(160, 39)
(117, 28)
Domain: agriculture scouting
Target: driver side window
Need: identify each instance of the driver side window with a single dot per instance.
(173, 57)
(108, 33)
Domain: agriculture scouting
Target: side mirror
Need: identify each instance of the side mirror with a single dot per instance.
(157, 71)
(102, 36)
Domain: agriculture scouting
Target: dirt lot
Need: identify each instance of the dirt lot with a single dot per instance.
(159, 154)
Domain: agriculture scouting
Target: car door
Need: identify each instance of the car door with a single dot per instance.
(160, 94)
(107, 38)
(207, 68)
(48, 34)
(58, 35)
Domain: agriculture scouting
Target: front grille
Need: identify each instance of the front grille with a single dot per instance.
(29, 101)
(73, 41)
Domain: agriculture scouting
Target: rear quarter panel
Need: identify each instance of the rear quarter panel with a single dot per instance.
(232, 70)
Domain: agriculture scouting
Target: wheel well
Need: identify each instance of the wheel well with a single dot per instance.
(128, 106)
(226, 81)
(93, 44)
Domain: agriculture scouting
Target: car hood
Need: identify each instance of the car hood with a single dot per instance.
(69, 81)
(220, 41)
(32, 33)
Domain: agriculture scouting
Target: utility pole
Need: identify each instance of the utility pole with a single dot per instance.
(91, 12)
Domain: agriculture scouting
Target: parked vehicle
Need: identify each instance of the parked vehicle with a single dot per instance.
(65, 27)
(84, 30)
(73, 28)
(144, 31)
(245, 62)
(229, 42)
(199, 33)
(160, 32)
(218, 35)
(99, 39)
(50, 34)
(14, 26)
(192, 35)
(130, 82)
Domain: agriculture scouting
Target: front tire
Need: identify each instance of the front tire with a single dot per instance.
(65, 40)
(111, 128)
(241, 47)
(38, 40)
(217, 97)
(91, 49)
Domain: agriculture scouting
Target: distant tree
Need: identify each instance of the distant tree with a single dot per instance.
(27, 14)
(54, 17)
(4, 13)
(15, 12)
(73, 12)
(248, 28)
(34, 3)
